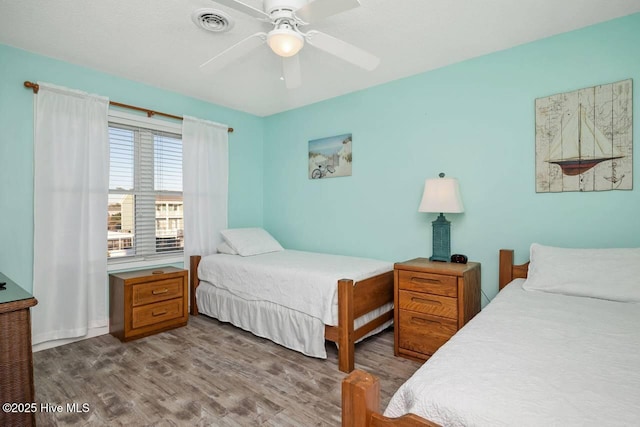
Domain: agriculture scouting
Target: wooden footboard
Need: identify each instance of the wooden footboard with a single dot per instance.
(361, 390)
(354, 300)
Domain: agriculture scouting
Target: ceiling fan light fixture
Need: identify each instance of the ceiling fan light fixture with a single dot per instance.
(285, 42)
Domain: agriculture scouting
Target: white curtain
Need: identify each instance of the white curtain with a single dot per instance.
(205, 177)
(71, 183)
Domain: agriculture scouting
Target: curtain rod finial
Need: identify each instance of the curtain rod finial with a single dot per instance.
(31, 85)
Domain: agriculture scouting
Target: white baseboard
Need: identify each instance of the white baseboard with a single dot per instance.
(93, 332)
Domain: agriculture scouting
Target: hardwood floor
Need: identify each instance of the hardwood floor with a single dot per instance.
(206, 374)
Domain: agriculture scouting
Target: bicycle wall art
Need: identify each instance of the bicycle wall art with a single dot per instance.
(330, 157)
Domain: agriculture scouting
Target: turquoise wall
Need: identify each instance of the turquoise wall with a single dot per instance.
(16, 146)
(473, 120)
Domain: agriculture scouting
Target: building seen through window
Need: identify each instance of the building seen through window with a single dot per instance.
(169, 222)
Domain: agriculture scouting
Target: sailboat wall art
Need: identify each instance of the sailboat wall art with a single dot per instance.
(584, 139)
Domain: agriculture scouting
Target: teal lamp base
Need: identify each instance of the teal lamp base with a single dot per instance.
(441, 240)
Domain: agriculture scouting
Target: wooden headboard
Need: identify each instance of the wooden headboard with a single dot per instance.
(508, 271)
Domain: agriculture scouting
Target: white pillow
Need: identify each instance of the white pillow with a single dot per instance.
(224, 248)
(611, 274)
(251, 241)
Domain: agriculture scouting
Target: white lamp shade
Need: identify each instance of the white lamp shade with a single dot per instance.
(441, 195)
(285, 42)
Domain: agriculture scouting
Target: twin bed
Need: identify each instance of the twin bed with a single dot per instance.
(296, 299)
(559, 348)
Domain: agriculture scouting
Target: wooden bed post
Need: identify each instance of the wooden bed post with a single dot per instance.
(509, 271)
(360, 398)
(194, 260)
(506, 268)
(346, 345)
(361, 405)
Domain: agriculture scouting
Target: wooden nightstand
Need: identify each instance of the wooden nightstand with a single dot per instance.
(146, 302)
(433, 300)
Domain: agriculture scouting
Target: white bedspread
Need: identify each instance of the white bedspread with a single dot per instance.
(302, 281)
(533, 359)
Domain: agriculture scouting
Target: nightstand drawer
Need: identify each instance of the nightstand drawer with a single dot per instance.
(431, 283)
(429, 304)
(423, 333)
(160, 290)
(156, 313)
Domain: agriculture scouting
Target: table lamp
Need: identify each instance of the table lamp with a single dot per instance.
(441, 195)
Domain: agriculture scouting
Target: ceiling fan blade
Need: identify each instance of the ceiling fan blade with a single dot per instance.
(343, 50)
(234, 52)
(291, 71)
(244, 8)
(319, 9)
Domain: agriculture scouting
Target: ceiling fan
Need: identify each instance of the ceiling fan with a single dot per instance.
(286, 39)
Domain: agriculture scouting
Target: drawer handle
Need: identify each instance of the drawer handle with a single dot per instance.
(159, 292)
(423, 280)
(160, 313)
(422, 321)
(425, 301)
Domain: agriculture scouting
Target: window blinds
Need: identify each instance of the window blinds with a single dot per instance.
(145, 192)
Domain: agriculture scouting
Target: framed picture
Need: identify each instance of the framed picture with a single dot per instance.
(330, 157)
(584, 139)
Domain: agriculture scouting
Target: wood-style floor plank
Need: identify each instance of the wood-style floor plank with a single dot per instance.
(205, 374)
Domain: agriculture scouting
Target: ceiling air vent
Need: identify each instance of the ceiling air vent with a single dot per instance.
(212, 20)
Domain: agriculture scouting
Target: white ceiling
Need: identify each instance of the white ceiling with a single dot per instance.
(155, 42)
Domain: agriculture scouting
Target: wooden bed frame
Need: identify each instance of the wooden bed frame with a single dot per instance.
(354, 300)
(361, 390)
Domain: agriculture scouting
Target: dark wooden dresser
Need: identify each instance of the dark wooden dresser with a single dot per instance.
(16, 361)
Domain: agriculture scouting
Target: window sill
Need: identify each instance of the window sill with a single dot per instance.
(133, 264)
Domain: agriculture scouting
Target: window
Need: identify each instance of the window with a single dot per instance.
(145, 188)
